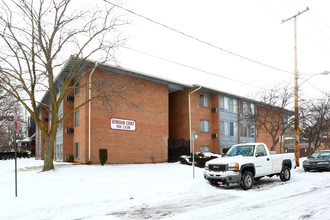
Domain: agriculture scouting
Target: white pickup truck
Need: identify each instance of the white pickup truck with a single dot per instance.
(245, 163)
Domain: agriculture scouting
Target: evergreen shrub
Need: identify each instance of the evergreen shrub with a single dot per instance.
(103, 154)
(200, 158)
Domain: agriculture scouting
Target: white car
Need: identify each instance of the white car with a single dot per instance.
(245, 162)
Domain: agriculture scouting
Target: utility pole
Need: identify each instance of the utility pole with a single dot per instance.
(296, 110)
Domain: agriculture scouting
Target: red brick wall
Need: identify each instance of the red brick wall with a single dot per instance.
(68, 145)
(81, 131)
(148, 143)
(215, 148)
(179, 115)
(179, 118)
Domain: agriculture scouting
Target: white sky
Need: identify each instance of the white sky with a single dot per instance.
(252, 29)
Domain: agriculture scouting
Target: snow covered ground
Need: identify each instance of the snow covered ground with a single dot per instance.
(154, 191)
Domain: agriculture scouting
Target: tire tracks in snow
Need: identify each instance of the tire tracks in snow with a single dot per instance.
(296, 211)
(171, 208)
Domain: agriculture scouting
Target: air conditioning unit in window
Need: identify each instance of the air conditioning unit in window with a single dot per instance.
(70, 98)
(69, 158)
(214, 110)
(69, 130)
(214, 136)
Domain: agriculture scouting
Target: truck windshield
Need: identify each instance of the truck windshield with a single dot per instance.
(244, 150)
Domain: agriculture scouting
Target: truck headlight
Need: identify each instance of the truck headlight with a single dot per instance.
(206, 167)
(233, 167)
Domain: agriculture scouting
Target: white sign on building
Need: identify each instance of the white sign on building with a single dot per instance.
(122, 124)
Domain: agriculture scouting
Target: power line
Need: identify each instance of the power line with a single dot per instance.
(316, 28)
(197, 39)
(194, 68)
(271, 10)
(316, 87)
(318, 17)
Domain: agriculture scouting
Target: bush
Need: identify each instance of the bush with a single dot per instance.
(11, 155)
(200, 159)
(225, 150)
(103, 154)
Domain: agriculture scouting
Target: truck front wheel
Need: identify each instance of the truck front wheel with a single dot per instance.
(285, 174)
(247, 180)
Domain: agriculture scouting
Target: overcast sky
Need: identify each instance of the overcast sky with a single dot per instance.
(251, 29)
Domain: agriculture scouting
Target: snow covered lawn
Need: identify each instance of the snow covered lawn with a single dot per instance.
(154, 191)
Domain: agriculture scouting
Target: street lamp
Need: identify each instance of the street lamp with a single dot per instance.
(192, 147)
(324, 73)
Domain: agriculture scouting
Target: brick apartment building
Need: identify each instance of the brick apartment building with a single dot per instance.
(141, 133)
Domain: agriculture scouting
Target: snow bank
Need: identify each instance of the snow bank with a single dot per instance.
(154, 191)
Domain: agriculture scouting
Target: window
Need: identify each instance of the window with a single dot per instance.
(60, 126)
(77, 117)
(77, 89)
(205, 149)
(59, 152)
(247, 130)
(204, 100)
(261, 149)
(247, 109)
(77, 150)
(228, 128)
(228, 104)
(204, 126)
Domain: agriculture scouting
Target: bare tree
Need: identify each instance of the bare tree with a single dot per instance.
(271, 114)
(36, 36)
(315, 122)
(7, 105)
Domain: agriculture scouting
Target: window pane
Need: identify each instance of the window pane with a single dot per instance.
(204, 100)
(226, 103)
(252, 108)
(235, 106)
(77, 117)
(204, 126)
(231, 129)
(77, 90)
(77, 150)
(222, 103)
(205, 149)
(222, 128)
(227, 128)
(230, 105)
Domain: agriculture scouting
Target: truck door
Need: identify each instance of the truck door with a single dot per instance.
(263, 161)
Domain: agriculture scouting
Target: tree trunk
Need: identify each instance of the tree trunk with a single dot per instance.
(272, 148)
(49, 153)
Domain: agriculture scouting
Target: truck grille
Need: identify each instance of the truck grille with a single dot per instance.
(218, 167)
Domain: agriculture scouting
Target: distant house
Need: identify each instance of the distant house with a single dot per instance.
(289, 143)
(154, 131)
(26, 144)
